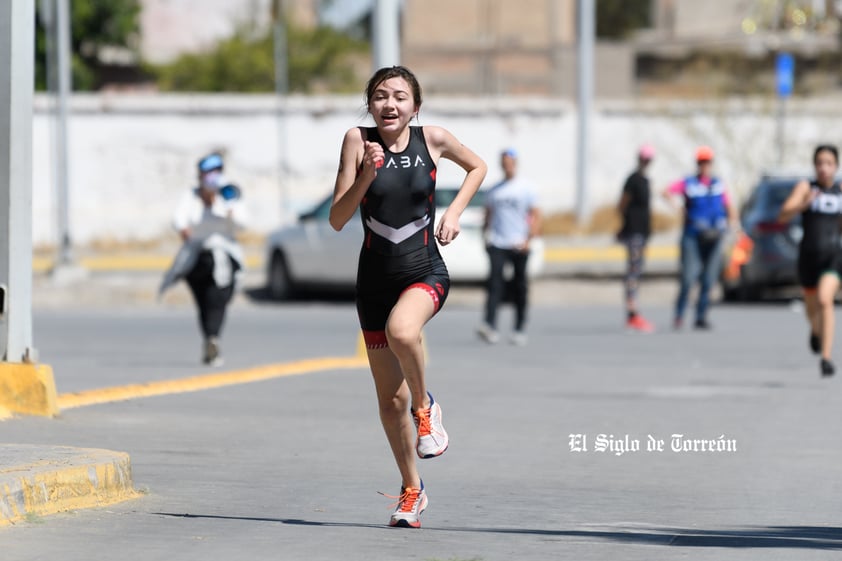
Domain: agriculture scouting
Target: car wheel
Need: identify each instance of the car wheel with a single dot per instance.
(740, 293)
(279, 284)
(731, 293)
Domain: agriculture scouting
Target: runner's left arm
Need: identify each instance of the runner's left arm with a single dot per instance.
(444, 144)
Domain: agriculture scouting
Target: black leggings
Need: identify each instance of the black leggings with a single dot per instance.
(210, 299)
(635, 250)
(497, 284)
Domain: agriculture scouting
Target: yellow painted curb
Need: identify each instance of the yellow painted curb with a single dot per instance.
(28, 389)
(146, 262)
(205, 382)
(613, 253)
(128, 263)
(50, 480)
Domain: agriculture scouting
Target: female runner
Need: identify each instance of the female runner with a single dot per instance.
(819, 256)
(389, 172)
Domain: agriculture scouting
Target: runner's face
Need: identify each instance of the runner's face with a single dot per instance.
(826, 167)
(392, 105)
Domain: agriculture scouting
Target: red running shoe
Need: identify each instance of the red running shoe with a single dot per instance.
(638, 323)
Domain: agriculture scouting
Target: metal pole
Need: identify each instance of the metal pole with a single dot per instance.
(47, 13)
(281, 54)
(779, 137)
(63, 70)
(587, 31)
(17, 46)
(386, 34)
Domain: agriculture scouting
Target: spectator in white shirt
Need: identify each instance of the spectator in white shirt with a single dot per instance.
(512, 220)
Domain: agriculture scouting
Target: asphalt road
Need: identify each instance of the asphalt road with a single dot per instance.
(289, 468)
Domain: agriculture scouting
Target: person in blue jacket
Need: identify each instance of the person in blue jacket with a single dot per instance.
(708, 214)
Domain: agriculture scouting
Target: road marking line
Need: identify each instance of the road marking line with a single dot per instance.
(206, 381)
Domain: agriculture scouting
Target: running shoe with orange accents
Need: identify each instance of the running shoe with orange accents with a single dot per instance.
(411, 503)
(638, 323)
(432, 438)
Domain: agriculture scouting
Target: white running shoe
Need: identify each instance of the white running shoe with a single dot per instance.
(411, 503)
(488, 334)
(432, 438)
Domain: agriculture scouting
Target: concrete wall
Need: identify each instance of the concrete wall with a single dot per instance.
(132, 156)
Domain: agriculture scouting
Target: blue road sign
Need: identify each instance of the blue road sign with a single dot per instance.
(785, 74)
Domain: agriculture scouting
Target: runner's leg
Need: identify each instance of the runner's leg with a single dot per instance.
(393, 402)
(413, 310)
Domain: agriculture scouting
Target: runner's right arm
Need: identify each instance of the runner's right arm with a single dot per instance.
(352, 179)
(797, 202)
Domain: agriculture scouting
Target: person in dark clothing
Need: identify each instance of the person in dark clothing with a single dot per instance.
(819, 201)
(210, 259)
(512, 220)
(636, 214)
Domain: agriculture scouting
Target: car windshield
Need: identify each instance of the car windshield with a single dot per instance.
(775, 193)
(769, 196)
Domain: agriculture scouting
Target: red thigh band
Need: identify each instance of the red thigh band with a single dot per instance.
(431, 291)
(375, 339)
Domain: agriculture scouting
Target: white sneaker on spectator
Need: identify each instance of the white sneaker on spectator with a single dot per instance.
(488, 334)
(518, 338)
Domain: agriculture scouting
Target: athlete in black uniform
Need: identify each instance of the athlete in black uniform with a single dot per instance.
(399, 250)
(389, 172)
(820, 255)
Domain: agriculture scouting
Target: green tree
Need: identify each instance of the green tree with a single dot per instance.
(318, 59)
(95, 24)
(616, 19)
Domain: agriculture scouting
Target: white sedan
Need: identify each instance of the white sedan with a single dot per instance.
(311, 255)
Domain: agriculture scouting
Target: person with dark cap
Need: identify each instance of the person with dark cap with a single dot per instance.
(210, 259)
(636, 215)
(708, 214)
(512, 219)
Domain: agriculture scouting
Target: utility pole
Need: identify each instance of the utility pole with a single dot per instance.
(386, 48)
(62, 169)
(587, 30)
(281, 54)
(55, 17)
(17, 40)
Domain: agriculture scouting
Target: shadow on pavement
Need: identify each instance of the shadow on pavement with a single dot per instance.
(778, 537)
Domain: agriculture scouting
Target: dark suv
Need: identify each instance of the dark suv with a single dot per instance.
(765, 255)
